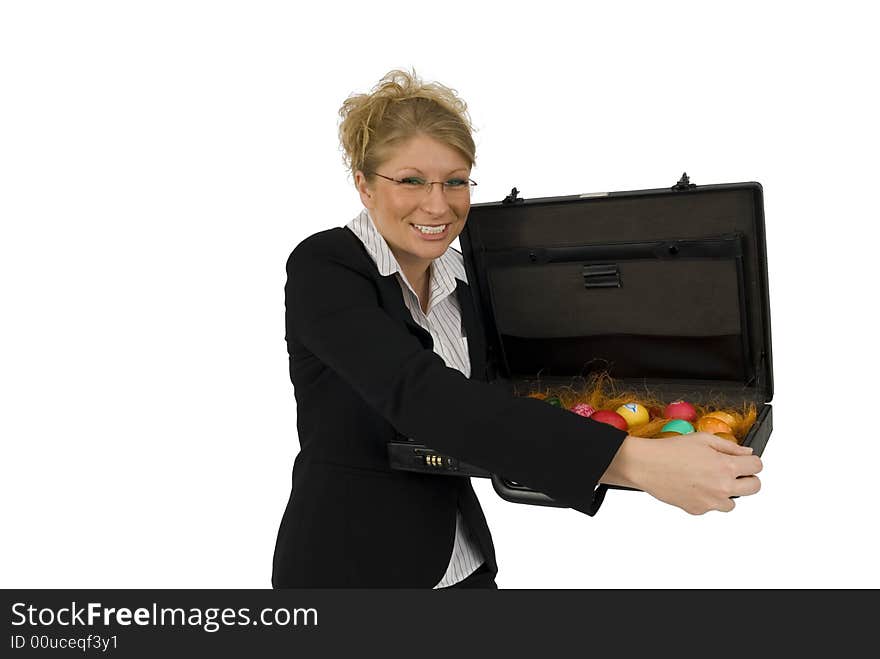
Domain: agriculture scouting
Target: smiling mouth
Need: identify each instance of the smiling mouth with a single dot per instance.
(431, 228)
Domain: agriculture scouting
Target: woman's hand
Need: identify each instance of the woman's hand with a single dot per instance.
(697, 472)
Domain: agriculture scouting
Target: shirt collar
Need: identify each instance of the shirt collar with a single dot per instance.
(444, 270)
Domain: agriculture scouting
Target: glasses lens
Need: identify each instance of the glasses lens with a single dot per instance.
(457, 186)
(419, 185)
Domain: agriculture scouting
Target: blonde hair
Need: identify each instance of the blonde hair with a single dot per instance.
(399, 107)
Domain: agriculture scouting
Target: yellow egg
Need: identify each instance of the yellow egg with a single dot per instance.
(635, 414)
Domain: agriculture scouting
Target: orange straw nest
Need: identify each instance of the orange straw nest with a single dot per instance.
(601, 393)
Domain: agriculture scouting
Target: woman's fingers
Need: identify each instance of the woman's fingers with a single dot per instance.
(726, 446)
(746, 485)
(745, 463)
(748, 465)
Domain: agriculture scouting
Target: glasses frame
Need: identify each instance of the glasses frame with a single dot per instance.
(429, 185)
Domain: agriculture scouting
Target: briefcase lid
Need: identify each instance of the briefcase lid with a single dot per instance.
(666, 285)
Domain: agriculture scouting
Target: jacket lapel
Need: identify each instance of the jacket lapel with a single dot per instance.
(391, 299)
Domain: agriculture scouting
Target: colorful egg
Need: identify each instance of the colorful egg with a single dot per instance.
(680, 426)
(583, 409)
(680, 409)
(554, 401)
(611, 418)
(635, 414)
(727, 436)
(729, 419)
(538, 395)
(713, 425)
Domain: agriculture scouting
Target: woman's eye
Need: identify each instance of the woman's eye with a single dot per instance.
(456, 182)
(413, 180)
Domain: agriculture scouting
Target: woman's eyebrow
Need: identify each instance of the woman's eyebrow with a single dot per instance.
(416, 169)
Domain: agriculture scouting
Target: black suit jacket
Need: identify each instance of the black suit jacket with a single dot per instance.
(365, 373)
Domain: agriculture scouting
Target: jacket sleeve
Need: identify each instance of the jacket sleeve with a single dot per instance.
(333, 310)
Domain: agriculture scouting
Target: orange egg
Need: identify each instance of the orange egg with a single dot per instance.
(712, 424)
(538, 395)
(723, 416)
(727, 436)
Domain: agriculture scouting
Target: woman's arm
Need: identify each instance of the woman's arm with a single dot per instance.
(333, 311)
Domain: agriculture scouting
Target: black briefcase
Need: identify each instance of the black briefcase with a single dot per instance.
(665, 290)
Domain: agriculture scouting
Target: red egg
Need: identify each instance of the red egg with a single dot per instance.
(611, 418)
(680, 409)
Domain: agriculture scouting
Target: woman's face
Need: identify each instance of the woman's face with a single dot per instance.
(397, 209)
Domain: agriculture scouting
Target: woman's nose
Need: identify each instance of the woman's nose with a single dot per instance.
(435, 200)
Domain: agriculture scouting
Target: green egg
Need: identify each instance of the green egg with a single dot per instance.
(678, 425)
(553, 400)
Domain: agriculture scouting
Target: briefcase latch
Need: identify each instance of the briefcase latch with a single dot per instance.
(512, 198)
(684, 183)
(606, 275)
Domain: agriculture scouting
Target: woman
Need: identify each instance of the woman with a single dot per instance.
(385, 344)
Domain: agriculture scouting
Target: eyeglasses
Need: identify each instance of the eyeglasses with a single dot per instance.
(416, 185)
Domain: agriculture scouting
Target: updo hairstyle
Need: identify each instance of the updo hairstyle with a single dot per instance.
(398, 108)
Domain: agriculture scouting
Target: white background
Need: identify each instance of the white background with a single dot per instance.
(160, 160)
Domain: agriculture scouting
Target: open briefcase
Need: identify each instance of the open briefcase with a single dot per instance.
(664, 289)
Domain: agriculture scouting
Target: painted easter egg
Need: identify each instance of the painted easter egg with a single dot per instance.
(583, 409)
(635, 414)
(680, 409)
(713, 425)
(680, 426)
(611, 418)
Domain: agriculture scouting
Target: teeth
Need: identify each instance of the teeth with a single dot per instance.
(425, 229)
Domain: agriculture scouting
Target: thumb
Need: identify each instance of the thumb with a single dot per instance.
(726, 446)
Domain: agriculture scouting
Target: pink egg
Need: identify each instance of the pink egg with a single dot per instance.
(611, 418)
(583, 409)
(680, 409)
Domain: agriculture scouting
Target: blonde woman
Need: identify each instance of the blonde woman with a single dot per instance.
(384, 343)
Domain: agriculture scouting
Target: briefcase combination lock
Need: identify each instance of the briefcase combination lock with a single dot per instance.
(410, 456)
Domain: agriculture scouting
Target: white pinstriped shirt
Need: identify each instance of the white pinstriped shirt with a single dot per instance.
(443, 321)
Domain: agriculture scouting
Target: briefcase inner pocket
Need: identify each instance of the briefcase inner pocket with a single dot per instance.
(656, 308)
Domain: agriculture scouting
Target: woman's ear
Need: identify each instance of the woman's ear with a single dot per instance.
(367, 197)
